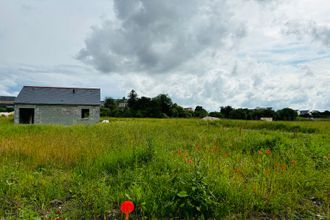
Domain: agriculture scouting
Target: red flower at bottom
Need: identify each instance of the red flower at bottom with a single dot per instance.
(127, 207)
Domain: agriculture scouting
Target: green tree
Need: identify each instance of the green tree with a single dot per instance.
(104, 112)
(216, 114)
(225, 111)
(132, 100)
(286, 114)
(177, 111)
(200, 112)
(164, 102)
(110, 103)
(241, 113)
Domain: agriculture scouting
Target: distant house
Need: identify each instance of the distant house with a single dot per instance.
(7, 101)
(122, 103)
(57, 105)
(304, 113)
(190, 109)
(266, 119)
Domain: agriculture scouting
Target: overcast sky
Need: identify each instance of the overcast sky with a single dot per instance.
(243, 53)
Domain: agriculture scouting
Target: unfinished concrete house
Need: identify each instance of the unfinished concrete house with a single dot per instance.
(57, 105)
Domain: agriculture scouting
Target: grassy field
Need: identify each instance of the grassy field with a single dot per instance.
(184, 168)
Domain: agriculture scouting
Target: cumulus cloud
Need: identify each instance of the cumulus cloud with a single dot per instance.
(254, 84)
(244, 53)
(158, 36)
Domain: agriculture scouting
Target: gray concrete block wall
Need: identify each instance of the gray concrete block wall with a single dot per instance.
(16, 112)
(60, 114)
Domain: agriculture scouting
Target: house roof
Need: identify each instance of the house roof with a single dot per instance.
(7, 98)
(58, 96)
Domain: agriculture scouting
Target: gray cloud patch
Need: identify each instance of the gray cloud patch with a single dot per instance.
(311, 30)
(158, 36)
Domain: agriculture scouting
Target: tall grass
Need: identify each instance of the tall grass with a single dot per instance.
(168, 167)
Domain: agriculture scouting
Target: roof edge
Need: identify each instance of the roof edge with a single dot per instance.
(55, 87)
(24, 103)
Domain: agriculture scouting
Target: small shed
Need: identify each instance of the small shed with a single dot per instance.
(209, 118)
(266, 119)
(57, 105)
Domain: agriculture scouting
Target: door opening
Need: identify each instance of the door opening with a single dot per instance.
(26, 115)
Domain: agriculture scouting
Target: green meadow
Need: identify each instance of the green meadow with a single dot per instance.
(169, 168)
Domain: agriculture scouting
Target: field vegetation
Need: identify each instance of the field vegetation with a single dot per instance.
(175, 168)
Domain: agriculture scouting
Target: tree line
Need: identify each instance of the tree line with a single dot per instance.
(316, 114)
(286, 114)
(162, 106)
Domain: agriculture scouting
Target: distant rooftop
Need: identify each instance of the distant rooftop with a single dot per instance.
(58, 96)
(7, 98)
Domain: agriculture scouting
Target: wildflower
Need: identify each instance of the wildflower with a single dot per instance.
(179, 152)
(283, 167)
(59, 210)
(127, 207)
(58, 218)
(237, 170)
(259, 152)
(189, 161)
(268, 151)
(293, 162)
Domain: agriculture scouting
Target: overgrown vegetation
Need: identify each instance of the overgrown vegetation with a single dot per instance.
(173, 168)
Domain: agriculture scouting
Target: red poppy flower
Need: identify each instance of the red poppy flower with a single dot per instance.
(127, 207)
(237, 170)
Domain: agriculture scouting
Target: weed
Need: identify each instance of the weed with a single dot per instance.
(169, 168)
